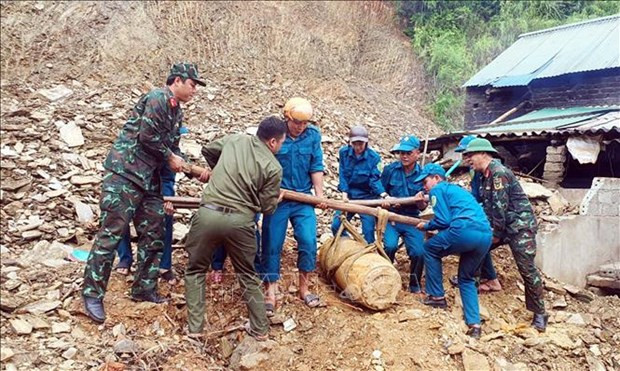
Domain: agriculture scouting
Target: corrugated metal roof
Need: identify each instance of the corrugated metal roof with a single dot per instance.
(583, 120)
(578, 47)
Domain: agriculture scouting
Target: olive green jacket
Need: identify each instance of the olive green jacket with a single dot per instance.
(246, 175)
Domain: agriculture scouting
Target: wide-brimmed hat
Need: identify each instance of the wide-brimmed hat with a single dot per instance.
(479, 145)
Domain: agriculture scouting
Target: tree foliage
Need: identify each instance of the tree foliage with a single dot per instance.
(455, 39)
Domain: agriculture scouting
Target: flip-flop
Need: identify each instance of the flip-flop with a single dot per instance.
(270, 309)
(312, 300)
(454, 280)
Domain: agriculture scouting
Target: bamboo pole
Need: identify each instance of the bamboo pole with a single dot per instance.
(194, 203)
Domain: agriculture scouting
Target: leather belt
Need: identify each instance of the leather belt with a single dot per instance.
(221, 209)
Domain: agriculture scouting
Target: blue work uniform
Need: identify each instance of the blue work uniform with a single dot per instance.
(360, 178)
(399, 184)
(125, 255)
(299, 158)
(463, 230)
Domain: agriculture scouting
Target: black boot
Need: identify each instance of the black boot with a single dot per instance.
(150, 296)
(540, 321)
(94, 308)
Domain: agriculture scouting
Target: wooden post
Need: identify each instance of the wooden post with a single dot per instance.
(425, 147)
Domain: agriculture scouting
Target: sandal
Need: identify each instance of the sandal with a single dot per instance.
(253, 333)
(312, 300)
(270, 310)
(454, 280)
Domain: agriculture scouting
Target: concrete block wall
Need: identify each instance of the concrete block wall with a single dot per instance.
(603, 198)
(592, 88)
(580, 244)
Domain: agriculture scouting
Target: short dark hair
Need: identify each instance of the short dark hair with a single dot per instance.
(171, 78)
(271, 127)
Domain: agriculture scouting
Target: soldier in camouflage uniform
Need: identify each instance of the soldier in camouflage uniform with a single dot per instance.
(131, 188)
(513, 221)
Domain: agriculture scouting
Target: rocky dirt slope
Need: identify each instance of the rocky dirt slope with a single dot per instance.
(71, 71)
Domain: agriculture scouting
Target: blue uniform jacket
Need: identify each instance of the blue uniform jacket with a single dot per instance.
(360, 176)
(454, 207)
(399, 184)
(299, 158)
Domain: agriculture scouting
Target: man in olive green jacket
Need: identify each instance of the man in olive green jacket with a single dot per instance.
(245, 181)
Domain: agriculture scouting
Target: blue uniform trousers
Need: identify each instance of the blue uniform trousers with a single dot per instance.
(472, 245)
(487, 271)
(303, 220)
(414, 243)
(125, 255)
(368, 225)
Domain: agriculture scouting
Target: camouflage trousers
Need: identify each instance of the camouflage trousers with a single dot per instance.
(121, 202)
(523, 246)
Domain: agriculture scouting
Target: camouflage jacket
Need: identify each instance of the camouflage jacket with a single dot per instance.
(504, 202)
(146, 140)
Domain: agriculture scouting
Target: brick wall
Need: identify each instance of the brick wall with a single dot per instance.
(594, 88)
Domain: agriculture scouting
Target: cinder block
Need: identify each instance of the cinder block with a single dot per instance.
(608, 183)
(556, 157)
(554, 167)
(608, 196)
(553, 175)
(556, 150)
(608, 209)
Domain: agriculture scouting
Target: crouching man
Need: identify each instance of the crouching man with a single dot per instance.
(463, 230)
(245, 181)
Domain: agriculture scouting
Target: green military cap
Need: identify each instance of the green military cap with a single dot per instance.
(187, 71)
(479, 145)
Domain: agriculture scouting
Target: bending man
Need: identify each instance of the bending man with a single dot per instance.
(245, 181)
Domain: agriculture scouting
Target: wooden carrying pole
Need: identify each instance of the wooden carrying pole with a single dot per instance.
(391, 201)
(194, 203)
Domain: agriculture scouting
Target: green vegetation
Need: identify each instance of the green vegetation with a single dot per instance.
(455, 39)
